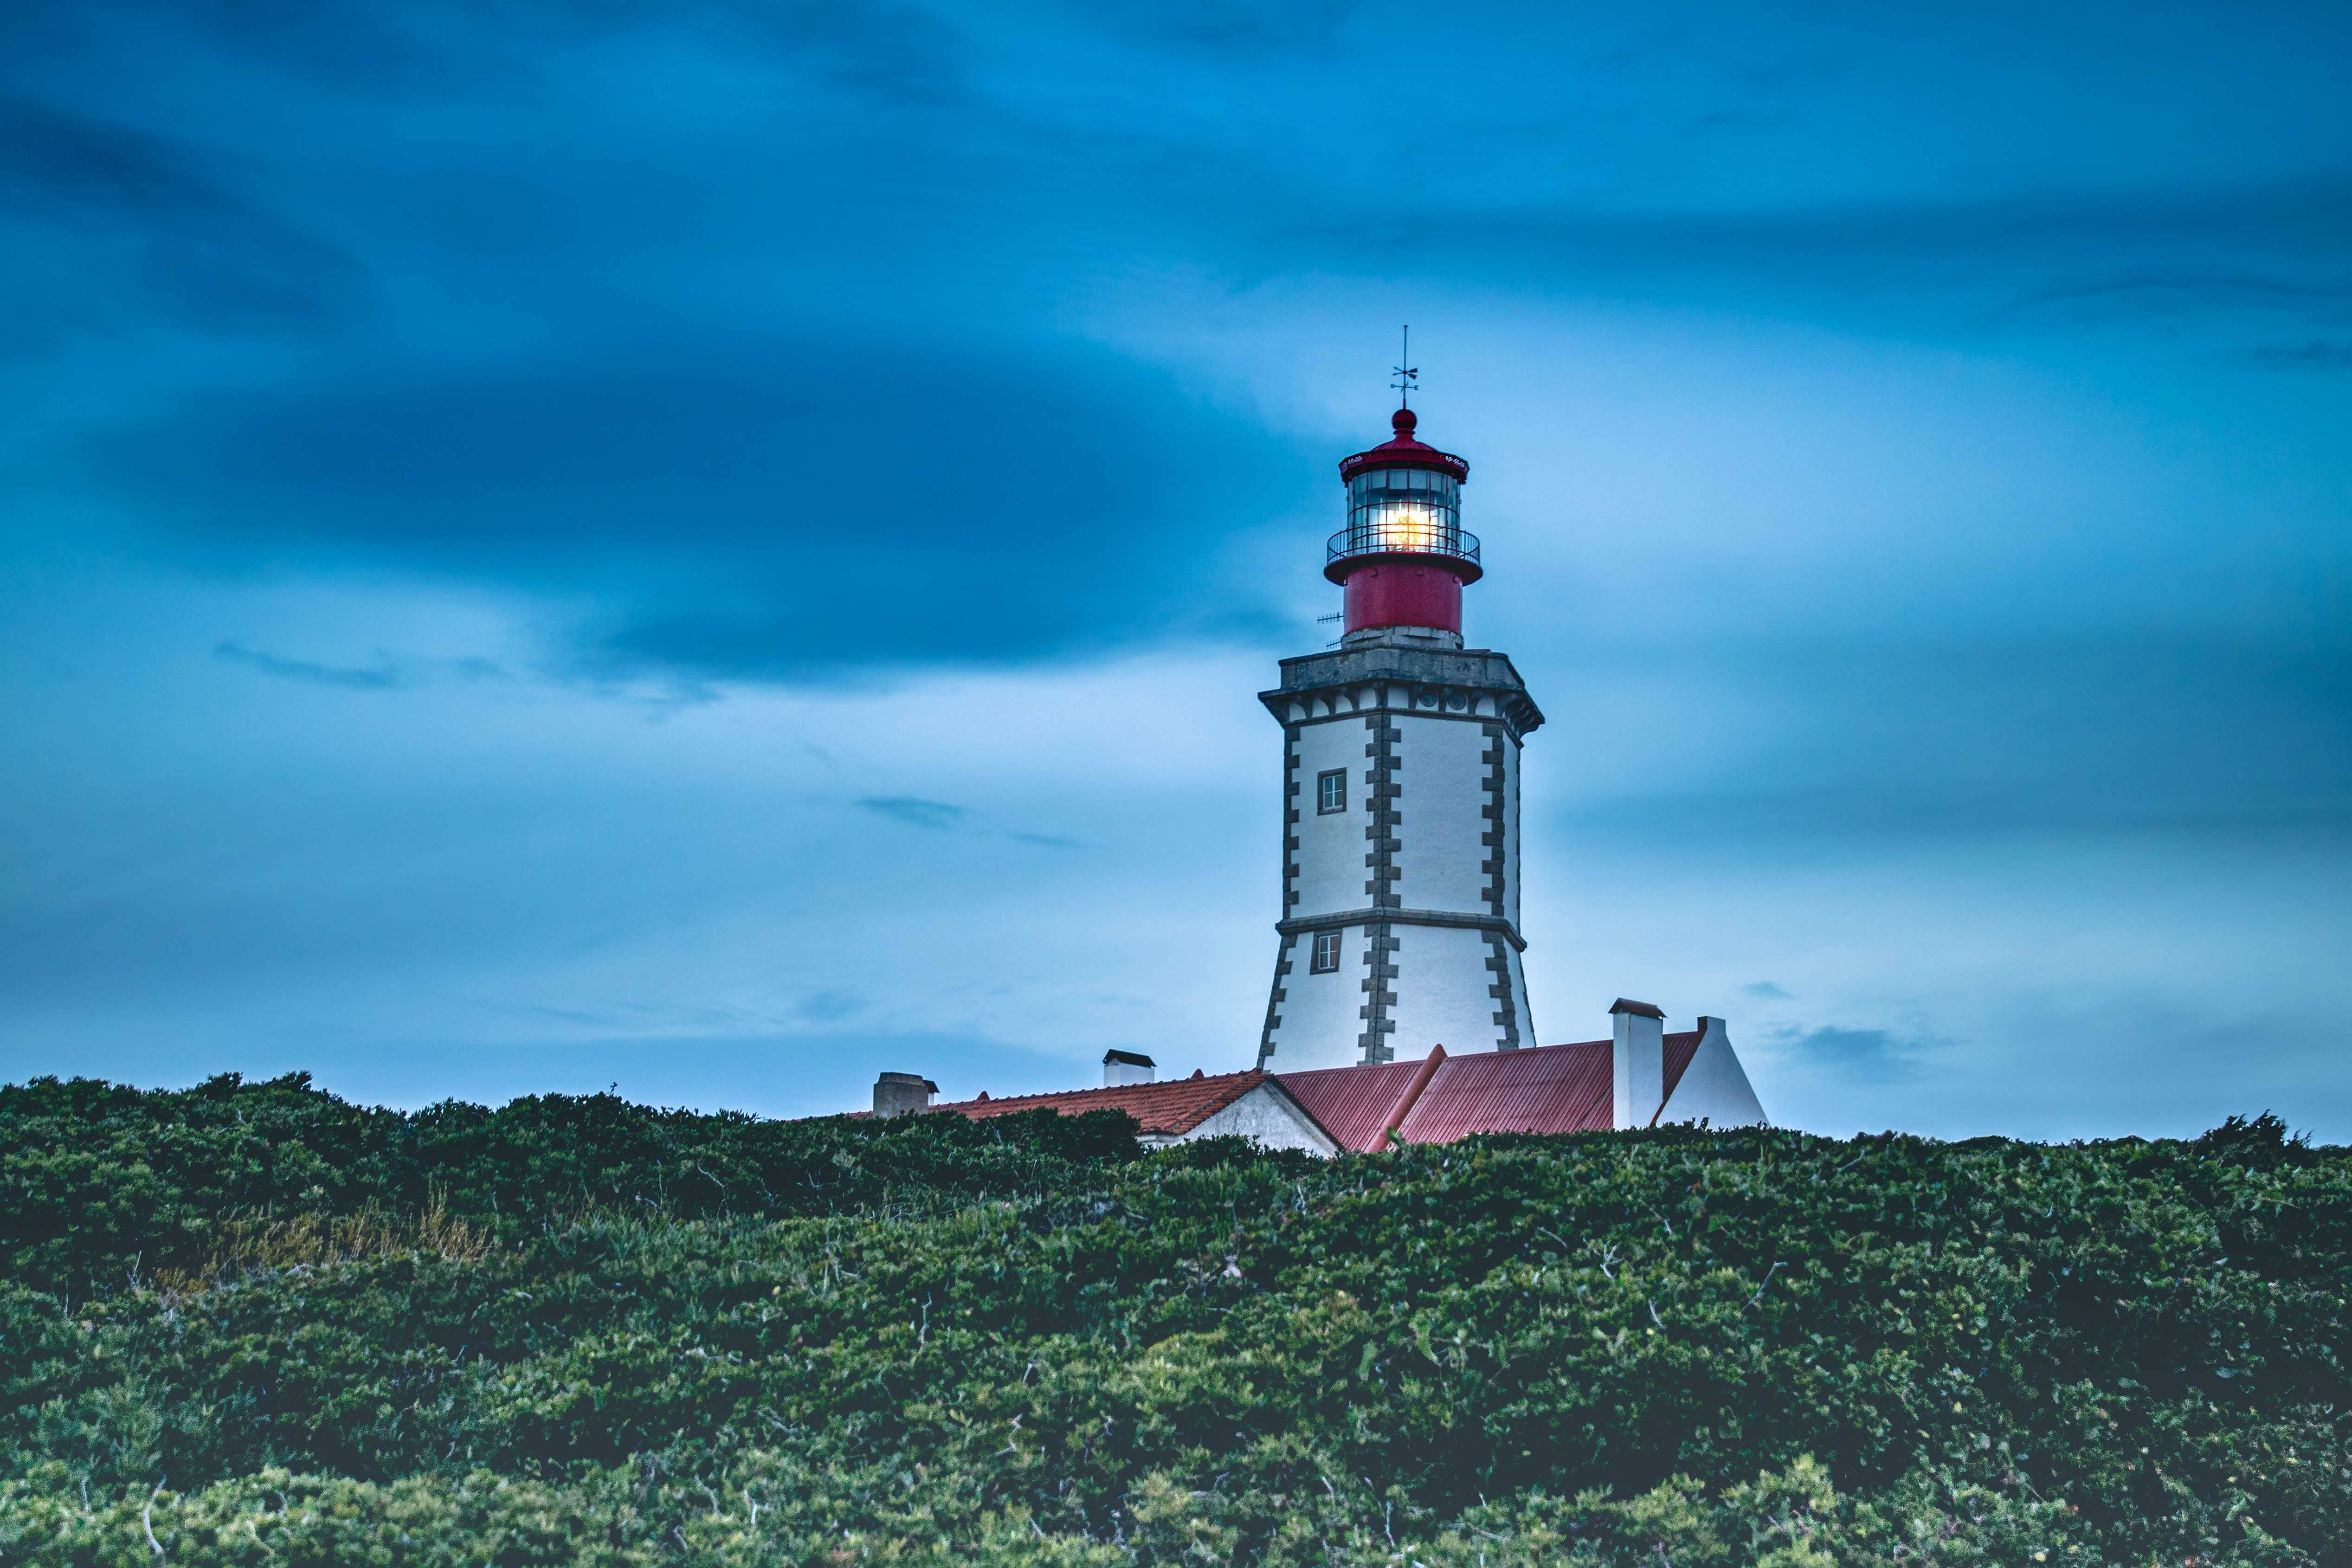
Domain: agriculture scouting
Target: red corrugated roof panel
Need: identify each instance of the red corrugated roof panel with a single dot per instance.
(1542, 1089)
(1352, 1104)
(1680, 1049)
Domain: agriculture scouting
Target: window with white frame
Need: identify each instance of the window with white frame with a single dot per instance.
(1326, 956)
(1330, 791)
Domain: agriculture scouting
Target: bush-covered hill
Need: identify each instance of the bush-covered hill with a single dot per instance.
(249, 1323)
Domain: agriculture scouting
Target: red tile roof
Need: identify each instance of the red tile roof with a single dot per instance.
(1161, 1109)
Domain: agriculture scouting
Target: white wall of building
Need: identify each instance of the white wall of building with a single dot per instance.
(1268, 1116)
(1715, 1088)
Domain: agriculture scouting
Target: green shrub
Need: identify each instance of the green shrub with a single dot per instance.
(580, 1330)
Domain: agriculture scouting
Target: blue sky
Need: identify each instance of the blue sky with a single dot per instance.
(722, 548)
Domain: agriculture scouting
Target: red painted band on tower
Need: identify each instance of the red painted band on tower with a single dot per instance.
(1403, 591)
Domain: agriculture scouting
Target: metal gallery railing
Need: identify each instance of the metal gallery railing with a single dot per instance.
(1402, 536)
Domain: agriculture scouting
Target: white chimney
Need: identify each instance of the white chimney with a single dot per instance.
(1638, 1052)
(896, 1093)
(1125, 1066)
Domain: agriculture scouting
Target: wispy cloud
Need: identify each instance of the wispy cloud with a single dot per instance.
(2316, 354)
(1764, 990)
(1877, 1056)
(936, 815)
(2147, 291)
(383, 678)
(386, 674)
(830, 1006)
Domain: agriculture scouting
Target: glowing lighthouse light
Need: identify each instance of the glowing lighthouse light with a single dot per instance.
(1403, 556)
(1404, 508)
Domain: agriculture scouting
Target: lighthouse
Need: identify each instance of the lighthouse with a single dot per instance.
(1400, 923)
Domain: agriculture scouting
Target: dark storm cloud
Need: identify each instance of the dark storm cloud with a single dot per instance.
(1228, 29)
(63, 163)
(108, 225)
(2274, 247)
(744, 510)
(796, 495)
(901, 53)
(887, 48)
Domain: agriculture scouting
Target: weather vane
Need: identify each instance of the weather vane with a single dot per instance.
(1407, 378)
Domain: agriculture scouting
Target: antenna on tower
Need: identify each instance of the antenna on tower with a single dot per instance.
(1407, 378)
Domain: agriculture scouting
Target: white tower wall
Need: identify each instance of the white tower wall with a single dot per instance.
(1444, 987)
(1329, 854)
(1416, 871)
(1310, 1007)
(1441, 864)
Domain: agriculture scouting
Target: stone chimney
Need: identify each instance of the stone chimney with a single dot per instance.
(1637, 1033)
(896, 1093)
(1125, 1066)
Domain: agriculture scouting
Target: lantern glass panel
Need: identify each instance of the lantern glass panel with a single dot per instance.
(1408, 510)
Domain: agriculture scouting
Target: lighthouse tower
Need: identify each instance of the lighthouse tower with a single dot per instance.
(1400, 926)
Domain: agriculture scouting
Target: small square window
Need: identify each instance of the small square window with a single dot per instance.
(1330, 791)
(1326, 957)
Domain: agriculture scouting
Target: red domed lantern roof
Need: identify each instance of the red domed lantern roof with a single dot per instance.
(1404, 452)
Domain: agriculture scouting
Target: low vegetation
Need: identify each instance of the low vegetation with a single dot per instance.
(248, 1324)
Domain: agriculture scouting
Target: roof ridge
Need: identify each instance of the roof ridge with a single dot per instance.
(1108, 1089)
(1670, 1034)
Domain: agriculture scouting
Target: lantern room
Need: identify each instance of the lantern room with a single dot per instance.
(1403, 557)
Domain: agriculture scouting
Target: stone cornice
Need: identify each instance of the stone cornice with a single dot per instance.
(1428, 682)
(1496, 923)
